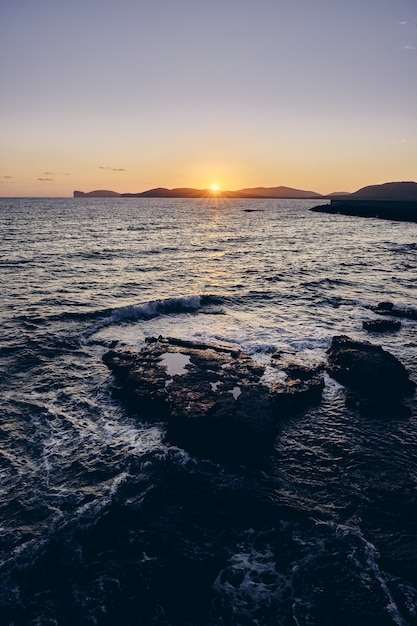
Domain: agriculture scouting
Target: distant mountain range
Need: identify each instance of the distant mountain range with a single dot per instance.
(396, 191)
(187, 192)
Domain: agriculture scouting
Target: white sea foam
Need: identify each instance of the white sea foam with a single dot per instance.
(365, 558)
(250, 584)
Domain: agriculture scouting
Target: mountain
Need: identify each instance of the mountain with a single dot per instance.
(278, 192)
(98, 193)
(162, 192)
(338, 193)
(396, 191)
(188, 192)
(399, 192)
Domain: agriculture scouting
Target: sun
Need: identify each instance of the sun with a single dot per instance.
(214, 187)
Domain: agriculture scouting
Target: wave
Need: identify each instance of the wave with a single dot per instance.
(155, 308)
(5, 263)
(105, 317)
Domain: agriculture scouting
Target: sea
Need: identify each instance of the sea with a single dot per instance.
(102, 520)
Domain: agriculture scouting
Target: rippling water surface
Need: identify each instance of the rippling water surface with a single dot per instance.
(104, 523)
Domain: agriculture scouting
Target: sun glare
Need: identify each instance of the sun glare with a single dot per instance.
(215, 187)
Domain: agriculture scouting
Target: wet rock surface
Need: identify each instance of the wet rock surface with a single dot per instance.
(213, 399)
(376, 380)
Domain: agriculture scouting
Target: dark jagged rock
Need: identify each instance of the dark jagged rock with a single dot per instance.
(377, 381)
(212, 398)
(381, 326)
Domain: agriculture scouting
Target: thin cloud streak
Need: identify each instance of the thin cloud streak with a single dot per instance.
(112, 169)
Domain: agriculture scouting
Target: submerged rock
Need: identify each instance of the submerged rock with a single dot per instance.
(213, 399)
(377, 380)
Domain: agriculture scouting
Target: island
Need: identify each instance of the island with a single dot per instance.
(390, 201)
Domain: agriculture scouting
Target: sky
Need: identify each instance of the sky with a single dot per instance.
(130, 95)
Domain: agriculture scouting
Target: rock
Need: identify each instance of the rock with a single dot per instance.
(384, 307)
(376, 407)
(381, 326)
(388, 308)
(212, 398)
(376, 378)
(302, 387)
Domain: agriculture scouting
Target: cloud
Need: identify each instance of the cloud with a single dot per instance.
(56, 173)
(405, 141)
(402, 22)
(7, 176)
(409, 47)
(112, 169)
(46, 180)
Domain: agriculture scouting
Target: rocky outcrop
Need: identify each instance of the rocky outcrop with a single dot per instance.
(213, 399)
(377, 381)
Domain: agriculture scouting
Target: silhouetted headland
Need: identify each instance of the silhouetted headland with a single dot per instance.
(390, 201)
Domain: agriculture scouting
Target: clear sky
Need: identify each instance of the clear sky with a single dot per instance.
(134, 94)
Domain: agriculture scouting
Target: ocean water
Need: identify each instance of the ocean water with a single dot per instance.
(104, 523)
